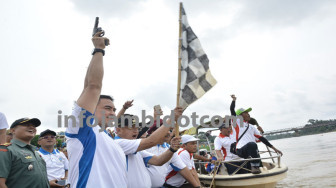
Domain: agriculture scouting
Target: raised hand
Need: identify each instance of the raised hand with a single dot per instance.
(99, 42)
(128, 104)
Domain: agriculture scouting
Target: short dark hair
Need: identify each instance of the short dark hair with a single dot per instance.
(106, 97)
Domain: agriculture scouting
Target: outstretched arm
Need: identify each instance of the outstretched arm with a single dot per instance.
(267, 143)
(186, 173)
(94, 77)
(194, 173)
(219, 155)
(233, 105)
(159, 135)
(124, 108)
(167, 155)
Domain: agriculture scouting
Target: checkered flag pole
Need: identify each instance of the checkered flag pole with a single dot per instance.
(195, 78)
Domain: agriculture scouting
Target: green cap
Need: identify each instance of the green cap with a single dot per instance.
(241, 110)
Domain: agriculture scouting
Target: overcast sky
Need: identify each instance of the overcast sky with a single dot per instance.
(278, 57)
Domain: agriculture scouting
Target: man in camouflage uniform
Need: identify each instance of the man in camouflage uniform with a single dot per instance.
(20, 165)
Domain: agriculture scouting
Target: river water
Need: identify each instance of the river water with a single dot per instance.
(311, 160)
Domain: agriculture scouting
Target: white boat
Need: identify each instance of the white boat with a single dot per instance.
(271, 173)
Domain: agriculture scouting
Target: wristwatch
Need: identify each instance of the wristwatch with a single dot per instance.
(98, 50)
(172, 150)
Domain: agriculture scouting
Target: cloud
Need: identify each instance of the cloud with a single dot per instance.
(273, 13)
(108, 8)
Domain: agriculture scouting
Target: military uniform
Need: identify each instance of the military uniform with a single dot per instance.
(22, 166)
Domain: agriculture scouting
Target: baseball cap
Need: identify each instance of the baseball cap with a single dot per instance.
(126, 120)
(241, 110)
(188, 138)
(48, 131)
(36, 122)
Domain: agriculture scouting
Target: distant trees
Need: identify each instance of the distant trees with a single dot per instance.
(314, 126)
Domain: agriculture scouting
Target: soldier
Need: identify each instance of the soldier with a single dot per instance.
(20, 165)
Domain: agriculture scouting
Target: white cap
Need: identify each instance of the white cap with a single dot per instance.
(188, 138)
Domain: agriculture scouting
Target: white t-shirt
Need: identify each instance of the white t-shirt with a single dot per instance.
(95, 159)
(3, 121)
(137, 173)
(158, 173)
(223, 143)
(56, 163)
(250, 136)
(174, 178)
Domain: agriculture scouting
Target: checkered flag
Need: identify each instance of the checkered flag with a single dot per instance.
(196, 78)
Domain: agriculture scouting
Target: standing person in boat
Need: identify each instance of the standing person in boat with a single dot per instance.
(138, 159)
(252, 120)
(189, 147)
(247, 146)
(222, 147)
(95, 159)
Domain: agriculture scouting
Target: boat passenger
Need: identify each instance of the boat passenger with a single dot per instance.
(134, 149)
(222, 145)
(247, 147)
(158, 173)
(189, 147)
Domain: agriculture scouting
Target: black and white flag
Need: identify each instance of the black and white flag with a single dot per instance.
(196, 78)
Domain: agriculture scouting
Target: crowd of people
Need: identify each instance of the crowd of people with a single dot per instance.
(129, 157)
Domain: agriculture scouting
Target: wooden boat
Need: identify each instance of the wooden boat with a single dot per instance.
(272, 171)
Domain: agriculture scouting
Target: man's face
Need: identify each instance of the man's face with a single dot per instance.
(47, 140)
(108, 107)
(24, 132)
(246, 116)
(191, 147)
(9, 137)
(226, 131)
(128, 132)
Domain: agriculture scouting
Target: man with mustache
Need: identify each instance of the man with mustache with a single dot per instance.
(20, 165)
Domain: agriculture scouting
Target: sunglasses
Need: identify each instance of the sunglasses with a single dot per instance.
(46, 137)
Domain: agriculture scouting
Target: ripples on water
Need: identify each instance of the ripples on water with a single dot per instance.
(311, 160)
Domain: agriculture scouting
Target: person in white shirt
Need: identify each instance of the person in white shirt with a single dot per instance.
(158, 173)
(189, 147)
(136, 156)
(222, 147)
(95, 159)
(247, 146)
(3, 128)
(56, 162)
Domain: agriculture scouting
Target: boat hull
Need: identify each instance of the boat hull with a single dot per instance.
(267, 179)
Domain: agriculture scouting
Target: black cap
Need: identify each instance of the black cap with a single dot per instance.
(124, 121)
(36, 122)
(48, 131)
